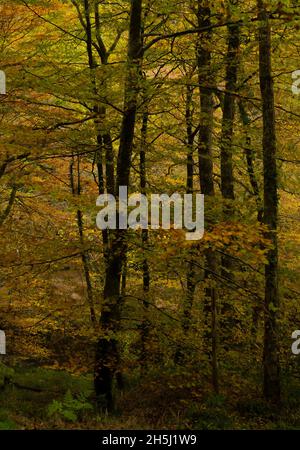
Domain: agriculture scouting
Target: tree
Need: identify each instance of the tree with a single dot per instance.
(270, 218)
(226, 145)
(107, 357)
(205, 75)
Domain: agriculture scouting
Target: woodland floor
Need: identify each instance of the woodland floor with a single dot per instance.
(52, 399)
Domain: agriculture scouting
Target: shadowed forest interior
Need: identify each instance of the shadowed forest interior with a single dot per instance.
(143, 328)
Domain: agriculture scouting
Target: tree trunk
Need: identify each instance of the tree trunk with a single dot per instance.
(206, 175)
(84, 253)
(190, 273)
(250, 159)
(107, 355)
(271, 348)
(229, 321)
(227, 184)
(104, 155)
(190, 283)
(145, 326)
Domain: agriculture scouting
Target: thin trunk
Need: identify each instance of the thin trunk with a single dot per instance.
(104, 153)
(250, 163)
(250, 159)
(10, 204)
(191, 285)
(190, 274)
(101, 189)
(145, 326)
(272, 391)
(84, 254)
